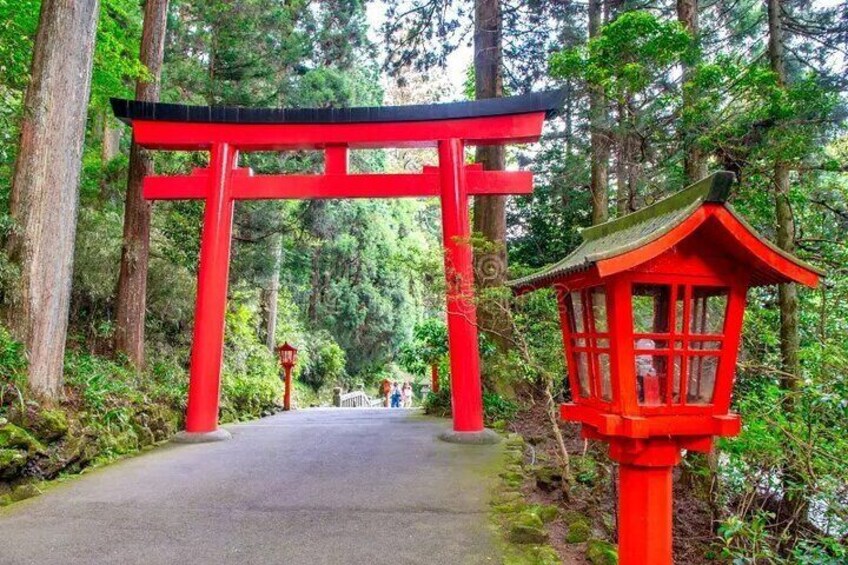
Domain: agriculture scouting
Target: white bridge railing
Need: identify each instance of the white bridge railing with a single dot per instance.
(355, 399)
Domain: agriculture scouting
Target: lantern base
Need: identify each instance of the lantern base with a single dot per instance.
(483, 437)
(202, 437)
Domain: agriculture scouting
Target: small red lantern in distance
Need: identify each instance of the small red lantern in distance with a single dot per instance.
(288, 355)
(651, 308)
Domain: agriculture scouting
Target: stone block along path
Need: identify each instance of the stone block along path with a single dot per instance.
(314, 486)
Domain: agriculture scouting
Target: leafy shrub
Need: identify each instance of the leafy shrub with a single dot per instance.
(326, 364)
(496, 407)
(438, 403)
(12, 365)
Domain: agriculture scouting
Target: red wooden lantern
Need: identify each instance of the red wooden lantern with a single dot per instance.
(651, 308)
(288, 357)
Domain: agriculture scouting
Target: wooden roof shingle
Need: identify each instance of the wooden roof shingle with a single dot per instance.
(630, 232)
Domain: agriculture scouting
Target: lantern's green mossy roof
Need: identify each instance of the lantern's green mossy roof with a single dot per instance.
(634, 230)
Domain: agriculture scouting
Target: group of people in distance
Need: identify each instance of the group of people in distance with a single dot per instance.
(396, 395)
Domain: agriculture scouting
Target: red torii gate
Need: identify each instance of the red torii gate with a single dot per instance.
(224, 131)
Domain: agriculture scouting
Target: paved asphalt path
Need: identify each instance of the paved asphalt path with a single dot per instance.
(314, 486)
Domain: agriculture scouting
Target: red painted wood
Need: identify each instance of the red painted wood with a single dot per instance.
(288, 358)
(336, 159)
(709, 251)
(644, 515)
(742, 246)
(188, 136)
(336, 185)
(766, 254)
(730, 347)
(212, 276)
(561, 292)
(619, 263)
(223, 183)
(288, 389)
(466, 389)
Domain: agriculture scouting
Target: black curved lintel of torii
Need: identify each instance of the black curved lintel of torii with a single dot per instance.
(548, 102)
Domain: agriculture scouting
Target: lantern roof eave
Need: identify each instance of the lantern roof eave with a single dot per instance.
(634, 231)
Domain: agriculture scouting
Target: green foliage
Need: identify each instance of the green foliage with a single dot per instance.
(429, 346)
(12, 360)
(251, 384)
(18, 23)
(497, 408)
(326, 363)
(630, 53)
(438, 403)
(601, 552)
(578, 532)
(365, 275)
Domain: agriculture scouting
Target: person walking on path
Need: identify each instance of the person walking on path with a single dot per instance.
(407, 395)
(396, 395)
(386, 390)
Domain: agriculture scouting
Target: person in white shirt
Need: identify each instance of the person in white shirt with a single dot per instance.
(407, 395)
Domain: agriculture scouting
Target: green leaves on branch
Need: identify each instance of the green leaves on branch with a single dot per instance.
(629, 54)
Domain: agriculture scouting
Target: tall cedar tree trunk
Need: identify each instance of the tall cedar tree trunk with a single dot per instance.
(132, 281)
(787, 293)
(626, 168)
(270, 295)
(45, 186)
(111, 140)
(600, 132)
(694, 160)
(490, 211)
(785, 223)
(703, 471)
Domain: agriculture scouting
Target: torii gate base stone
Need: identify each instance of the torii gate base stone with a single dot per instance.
(225, 131)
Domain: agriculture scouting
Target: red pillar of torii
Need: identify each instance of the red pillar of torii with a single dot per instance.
(225, 131)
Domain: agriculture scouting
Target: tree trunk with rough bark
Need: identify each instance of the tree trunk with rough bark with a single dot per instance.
(626, 171)
(270, 294)
(790, 380)
(490, 262)
(694, 160)
(599, 132)
(111, 140)
(788, 294)
(132, 281)
(45, 186)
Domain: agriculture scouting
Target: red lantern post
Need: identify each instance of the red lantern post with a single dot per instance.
(651, 308)
(434, 377)
(288, 357)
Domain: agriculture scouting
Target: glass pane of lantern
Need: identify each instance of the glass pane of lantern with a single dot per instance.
(579, 342)
(576, 312)
(702, 377)
(708, 344)
(651, 378)
(678, 311)
(606, 380)
(582, 362)
(602, 343)
(650, 308)
(707, 310)
(675, 384)
(650, 343)
(599, 308)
